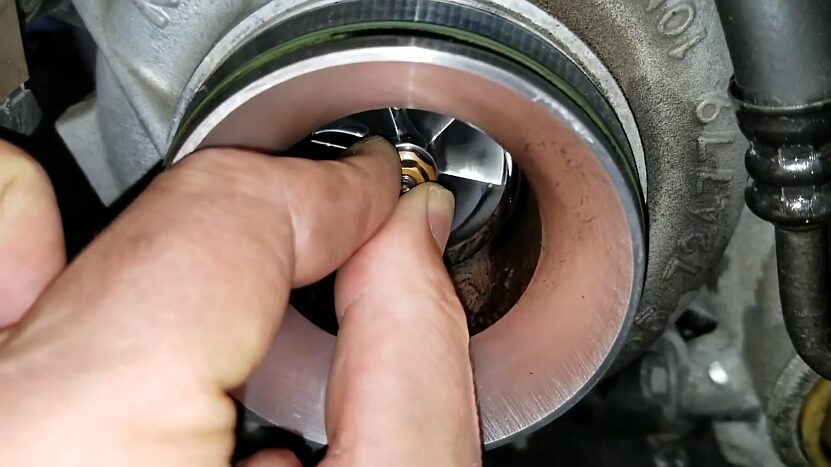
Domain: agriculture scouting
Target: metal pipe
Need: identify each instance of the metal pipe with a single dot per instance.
(802, 262)
(782, 88)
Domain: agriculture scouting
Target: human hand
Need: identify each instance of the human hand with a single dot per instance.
(125, 357)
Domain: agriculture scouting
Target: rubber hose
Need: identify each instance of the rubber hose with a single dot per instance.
(781, 54)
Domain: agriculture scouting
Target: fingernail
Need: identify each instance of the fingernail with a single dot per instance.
(369, 145)
(441, 205)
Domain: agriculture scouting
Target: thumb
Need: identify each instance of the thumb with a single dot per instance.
(401, 358)
(31, 237)
(271, 458)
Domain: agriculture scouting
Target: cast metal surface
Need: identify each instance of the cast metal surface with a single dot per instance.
(13, 71)
(149, 50)
(735, 369)
(19, 111)
(673, 66)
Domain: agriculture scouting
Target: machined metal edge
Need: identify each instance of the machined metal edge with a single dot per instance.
(670, 60)
(519, 13)
(434, 18)
(541, 93)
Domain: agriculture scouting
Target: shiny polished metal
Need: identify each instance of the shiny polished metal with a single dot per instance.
(433, 148)
(562, 333)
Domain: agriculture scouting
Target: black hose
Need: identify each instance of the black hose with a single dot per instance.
(781, 53)
(779, 49)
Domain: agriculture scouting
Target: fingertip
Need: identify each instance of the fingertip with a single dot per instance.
(374, 145)
(353, 199)
(375, 161)
(272, 458)
(432, 205)
(441, 205)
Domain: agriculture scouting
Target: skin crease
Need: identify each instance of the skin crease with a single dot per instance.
(125, 356)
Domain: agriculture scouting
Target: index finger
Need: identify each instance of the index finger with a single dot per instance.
(195, 274)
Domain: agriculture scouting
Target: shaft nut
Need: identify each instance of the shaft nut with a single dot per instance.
(415, 170)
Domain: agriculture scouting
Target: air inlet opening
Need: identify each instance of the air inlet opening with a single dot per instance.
(495, 240)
